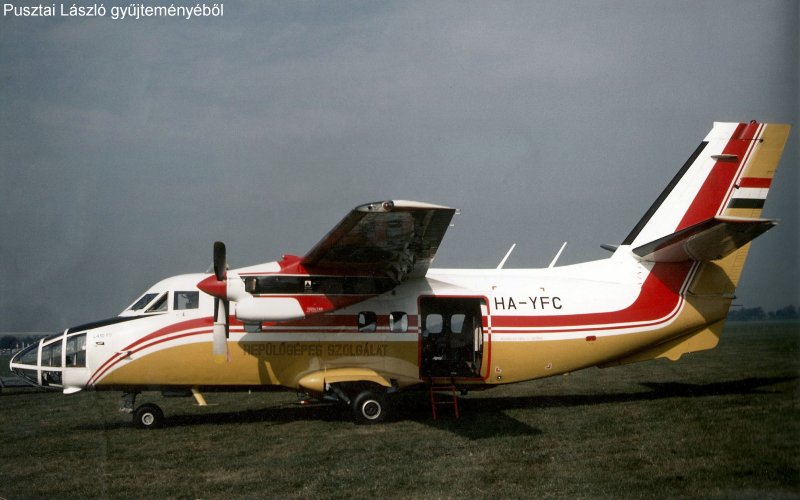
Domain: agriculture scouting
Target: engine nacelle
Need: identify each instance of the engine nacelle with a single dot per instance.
(257, 309)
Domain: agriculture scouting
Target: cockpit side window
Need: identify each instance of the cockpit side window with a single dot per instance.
(159, 305)
(185, 300)
(143, 301)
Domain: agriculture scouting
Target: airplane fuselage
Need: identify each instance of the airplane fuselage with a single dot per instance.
(523, 325)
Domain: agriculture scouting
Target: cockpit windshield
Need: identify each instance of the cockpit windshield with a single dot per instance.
(151, 302)
(159, 305)
(178, 293)
(142, 302)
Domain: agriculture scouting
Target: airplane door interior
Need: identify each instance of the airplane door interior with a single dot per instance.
(452, 337)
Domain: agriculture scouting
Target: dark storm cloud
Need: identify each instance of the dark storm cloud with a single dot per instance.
(128, 147)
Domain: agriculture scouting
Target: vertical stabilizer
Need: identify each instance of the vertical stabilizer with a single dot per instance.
(724, 183)
(708, 215)
(728, 174)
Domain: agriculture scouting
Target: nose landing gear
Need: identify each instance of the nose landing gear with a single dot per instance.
(146, 416)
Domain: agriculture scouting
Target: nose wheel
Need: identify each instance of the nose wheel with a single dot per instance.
(148, 416)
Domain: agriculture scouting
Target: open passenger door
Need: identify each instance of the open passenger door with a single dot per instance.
(452, 336)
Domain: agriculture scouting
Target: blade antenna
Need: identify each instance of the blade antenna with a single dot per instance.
(553, 263)
(502, 262)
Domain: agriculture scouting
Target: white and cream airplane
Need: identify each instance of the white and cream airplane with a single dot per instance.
(362, 315)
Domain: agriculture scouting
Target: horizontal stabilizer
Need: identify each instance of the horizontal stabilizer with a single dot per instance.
(711, 239)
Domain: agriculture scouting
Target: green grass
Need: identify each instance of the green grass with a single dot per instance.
(721, 423)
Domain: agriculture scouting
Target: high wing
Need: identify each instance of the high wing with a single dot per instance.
(396, 239)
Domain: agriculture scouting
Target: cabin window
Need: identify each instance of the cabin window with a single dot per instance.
(398, 322)
(367, 322)
(457, 323)
(186, 300)
(159, 305)
(76, 351)
(434, 323)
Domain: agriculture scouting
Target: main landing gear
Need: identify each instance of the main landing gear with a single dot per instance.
(369, 403)
(146, 416)
(370, 407)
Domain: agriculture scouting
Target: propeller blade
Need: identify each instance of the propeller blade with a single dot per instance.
(226, 305)
(218, 288)
(220, 264)
(220, 342)
(220, 332)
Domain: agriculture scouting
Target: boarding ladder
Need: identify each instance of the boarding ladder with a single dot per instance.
(437, 385)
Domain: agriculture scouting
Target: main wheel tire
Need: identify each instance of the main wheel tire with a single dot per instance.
(148, 416)
(370, 407)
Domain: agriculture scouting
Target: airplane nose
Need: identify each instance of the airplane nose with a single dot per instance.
(56, 362)
(25, 363)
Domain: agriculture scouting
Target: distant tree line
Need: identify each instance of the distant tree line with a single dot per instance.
(758, 314)
(14, 342)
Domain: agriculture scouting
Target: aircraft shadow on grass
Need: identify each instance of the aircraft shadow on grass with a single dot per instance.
(486, 417)
(658, 390)
(480, 417)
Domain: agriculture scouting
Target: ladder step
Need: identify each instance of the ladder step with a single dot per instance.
(435, 388)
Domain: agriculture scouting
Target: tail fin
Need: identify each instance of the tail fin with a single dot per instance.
(721, 189)
(709, 213)
(728, 174)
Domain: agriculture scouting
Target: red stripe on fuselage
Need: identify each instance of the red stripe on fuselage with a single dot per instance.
(175, 327)
(658, 301)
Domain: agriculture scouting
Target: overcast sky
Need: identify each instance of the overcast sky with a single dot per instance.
(128, 147)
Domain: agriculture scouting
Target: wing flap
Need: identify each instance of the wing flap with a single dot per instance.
(397, 239)
(711, 239)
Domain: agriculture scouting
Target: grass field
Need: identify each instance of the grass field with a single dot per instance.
(722, 423)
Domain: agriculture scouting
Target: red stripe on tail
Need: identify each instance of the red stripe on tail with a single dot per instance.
(755, 182)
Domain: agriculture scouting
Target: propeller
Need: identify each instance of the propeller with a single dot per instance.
(220, 265)
(217, 286)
